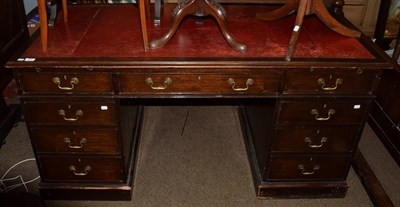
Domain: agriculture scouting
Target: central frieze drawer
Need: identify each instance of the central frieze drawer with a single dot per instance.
(65, 168)
(65, 83)
(200, 83)
(316, 139)
(303, 167)
(341, 81)
(70, 114)
(323, 111)
(65, 140)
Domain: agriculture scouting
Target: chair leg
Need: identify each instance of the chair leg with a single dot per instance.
(43, 23)
(157, 12)
(142, 13)
(65, 10)
(43, 20)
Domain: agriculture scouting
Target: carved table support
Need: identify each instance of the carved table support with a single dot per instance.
(307, 7)
(199, 8)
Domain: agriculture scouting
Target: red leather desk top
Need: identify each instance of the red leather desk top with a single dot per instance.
(113, 31)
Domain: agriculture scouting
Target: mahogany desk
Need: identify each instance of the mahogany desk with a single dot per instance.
(301, 127)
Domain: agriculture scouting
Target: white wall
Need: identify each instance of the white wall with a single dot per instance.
(29, 5)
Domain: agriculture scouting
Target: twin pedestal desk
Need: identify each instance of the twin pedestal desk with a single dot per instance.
(302, 119)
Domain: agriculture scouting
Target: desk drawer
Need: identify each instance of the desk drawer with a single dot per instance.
(65, 140)
(73, 113)
(200, 83)
(303, 167)
(65, 83)
(323, 111)
(66, 168)
(345, 81)
(316, 139)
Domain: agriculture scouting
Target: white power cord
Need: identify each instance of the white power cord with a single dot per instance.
(4, 188)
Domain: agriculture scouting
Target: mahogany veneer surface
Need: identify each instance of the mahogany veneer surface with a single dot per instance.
(114, 32)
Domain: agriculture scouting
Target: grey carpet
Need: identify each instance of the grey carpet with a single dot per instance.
(195, 156)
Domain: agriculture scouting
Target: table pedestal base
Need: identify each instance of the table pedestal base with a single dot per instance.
(306, 7)
(199, 8)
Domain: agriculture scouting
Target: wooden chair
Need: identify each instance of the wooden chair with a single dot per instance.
(143, 5)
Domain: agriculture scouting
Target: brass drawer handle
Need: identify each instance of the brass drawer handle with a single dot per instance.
(73, 82)
(305, 172)
(309, 142)
(232, 83)
(78, 113)
(321, 82)
(86, 170)
(167, 82)
(82, 141)
(316, 114)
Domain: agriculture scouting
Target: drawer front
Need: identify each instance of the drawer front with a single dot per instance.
(199, 83)
(316, 139)
(65, 83)
(65, 168)
(323, 111)
(308, 167)
(70, 114)
(351, 81)
(64, 140)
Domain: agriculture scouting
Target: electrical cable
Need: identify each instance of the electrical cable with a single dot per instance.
(5, 188)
